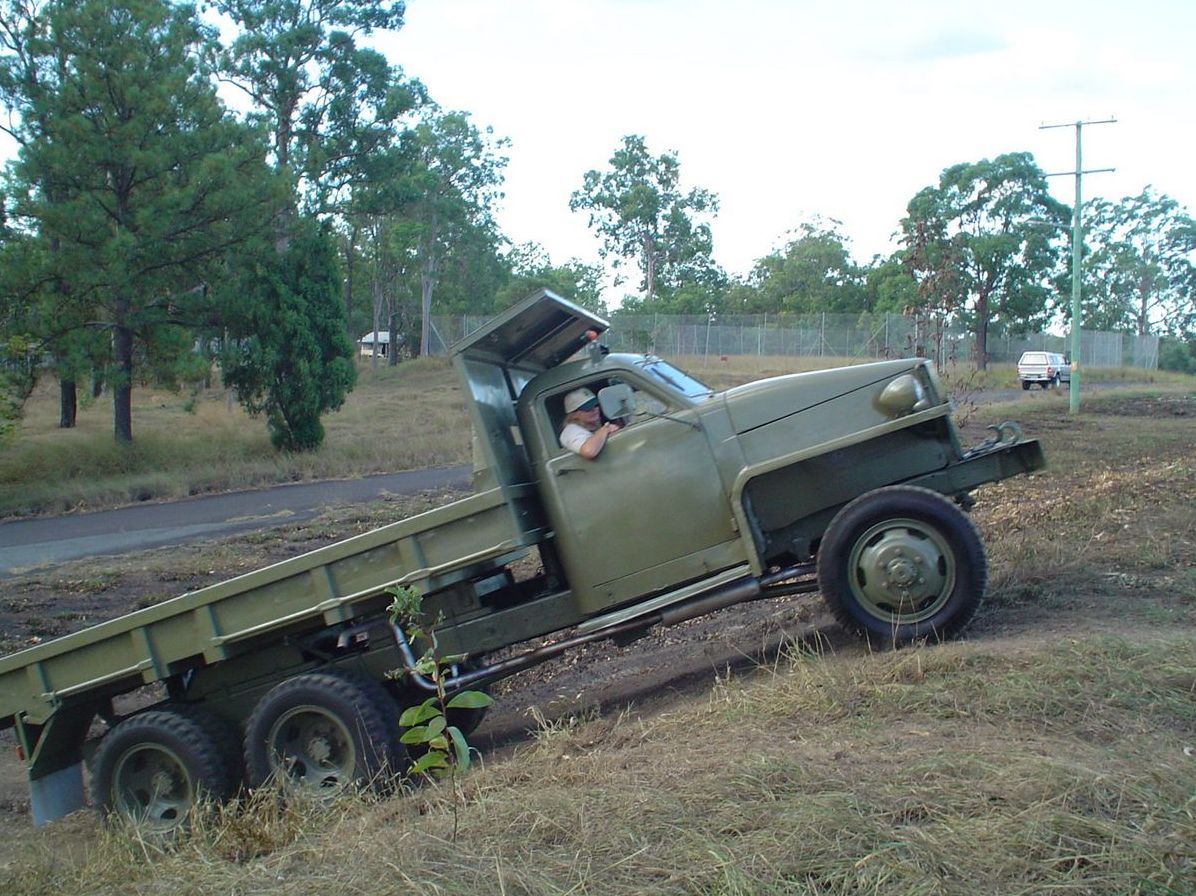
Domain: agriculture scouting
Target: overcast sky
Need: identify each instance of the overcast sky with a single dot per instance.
(787, 109)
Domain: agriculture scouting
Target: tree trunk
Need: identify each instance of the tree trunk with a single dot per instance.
(649, 266)
(426, 284)
(68, 404)
(376, 319)
(122, 391)
(392, 328)
(1143, 315)
(982, 332)
(350, 269)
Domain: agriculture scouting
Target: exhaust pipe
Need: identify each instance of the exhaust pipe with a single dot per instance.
(737, 592)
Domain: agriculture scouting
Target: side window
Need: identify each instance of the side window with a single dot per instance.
(554, 405)
(649, 404)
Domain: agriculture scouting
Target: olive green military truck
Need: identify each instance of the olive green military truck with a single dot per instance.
(849, 481)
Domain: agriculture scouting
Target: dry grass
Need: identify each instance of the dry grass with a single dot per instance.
(951, 769)
(407, 417)
(1054, 751)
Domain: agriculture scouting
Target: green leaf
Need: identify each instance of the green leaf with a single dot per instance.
(414, 735)
(417, 715)
(439, 743)
(437, 725)
(429, 761)
(470, 700)
(461, 748)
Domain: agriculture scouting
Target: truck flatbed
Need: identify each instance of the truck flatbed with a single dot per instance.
(332, 584)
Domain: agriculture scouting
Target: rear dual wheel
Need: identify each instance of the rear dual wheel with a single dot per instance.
(153, 768)
(323, 732)
(317, 734)
(902, 563)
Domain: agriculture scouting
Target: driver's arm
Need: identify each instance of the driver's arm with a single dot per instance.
(589, 446)
(593, 446)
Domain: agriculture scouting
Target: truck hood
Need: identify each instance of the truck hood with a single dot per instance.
(764, 401)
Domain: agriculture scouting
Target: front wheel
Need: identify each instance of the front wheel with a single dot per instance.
(902, 563)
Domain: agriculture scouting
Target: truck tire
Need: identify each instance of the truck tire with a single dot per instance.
(152, 768)
(323, 732)
(902, 563)
(1025, 385)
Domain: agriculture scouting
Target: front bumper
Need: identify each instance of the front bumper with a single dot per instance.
(1003, 457)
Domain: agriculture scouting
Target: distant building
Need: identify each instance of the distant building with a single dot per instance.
(365, 345)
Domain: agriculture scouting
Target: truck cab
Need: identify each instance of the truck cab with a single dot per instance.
(698, 485)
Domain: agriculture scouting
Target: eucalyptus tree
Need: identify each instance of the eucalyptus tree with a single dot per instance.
(327, 102)
(1139, 271)
(813, 272)
(984, 244)
(889, 288)
(531, 268)
(455, 183)
(377, 243)
(131, 175)
(643, 218)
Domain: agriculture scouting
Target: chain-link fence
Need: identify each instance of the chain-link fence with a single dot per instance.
(832, 335)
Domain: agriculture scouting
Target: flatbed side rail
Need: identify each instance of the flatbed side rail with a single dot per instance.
(324, 587)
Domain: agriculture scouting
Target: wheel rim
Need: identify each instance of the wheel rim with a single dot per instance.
(902, 571)
(312, 749)
(151, 786)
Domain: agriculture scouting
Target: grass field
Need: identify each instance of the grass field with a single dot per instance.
(398, 418)
(1052, 751)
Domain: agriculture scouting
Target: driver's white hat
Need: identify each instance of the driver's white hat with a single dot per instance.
(578, 398)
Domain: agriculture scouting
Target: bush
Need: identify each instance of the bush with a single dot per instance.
(1178, 355)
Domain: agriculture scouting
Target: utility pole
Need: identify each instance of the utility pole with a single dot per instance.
(1077, 235)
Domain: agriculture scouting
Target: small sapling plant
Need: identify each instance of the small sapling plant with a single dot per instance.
(443, 751)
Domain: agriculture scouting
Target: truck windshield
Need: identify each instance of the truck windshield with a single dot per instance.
(677, 379)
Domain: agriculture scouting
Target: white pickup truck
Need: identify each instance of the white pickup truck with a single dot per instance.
(1045, 368)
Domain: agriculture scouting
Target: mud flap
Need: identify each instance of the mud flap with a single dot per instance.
(57, 794)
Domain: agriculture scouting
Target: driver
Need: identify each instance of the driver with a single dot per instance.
(584, 433)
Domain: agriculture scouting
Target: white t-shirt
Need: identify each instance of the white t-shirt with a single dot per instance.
(573, 436)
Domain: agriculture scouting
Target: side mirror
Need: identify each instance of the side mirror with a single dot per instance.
(617, 401)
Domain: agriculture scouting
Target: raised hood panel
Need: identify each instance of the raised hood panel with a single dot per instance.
(759, 403)
(535, 334)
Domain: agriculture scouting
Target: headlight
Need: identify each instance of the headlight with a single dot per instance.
(902, 396)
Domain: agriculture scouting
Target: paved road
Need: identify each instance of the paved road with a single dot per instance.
(28, 544)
